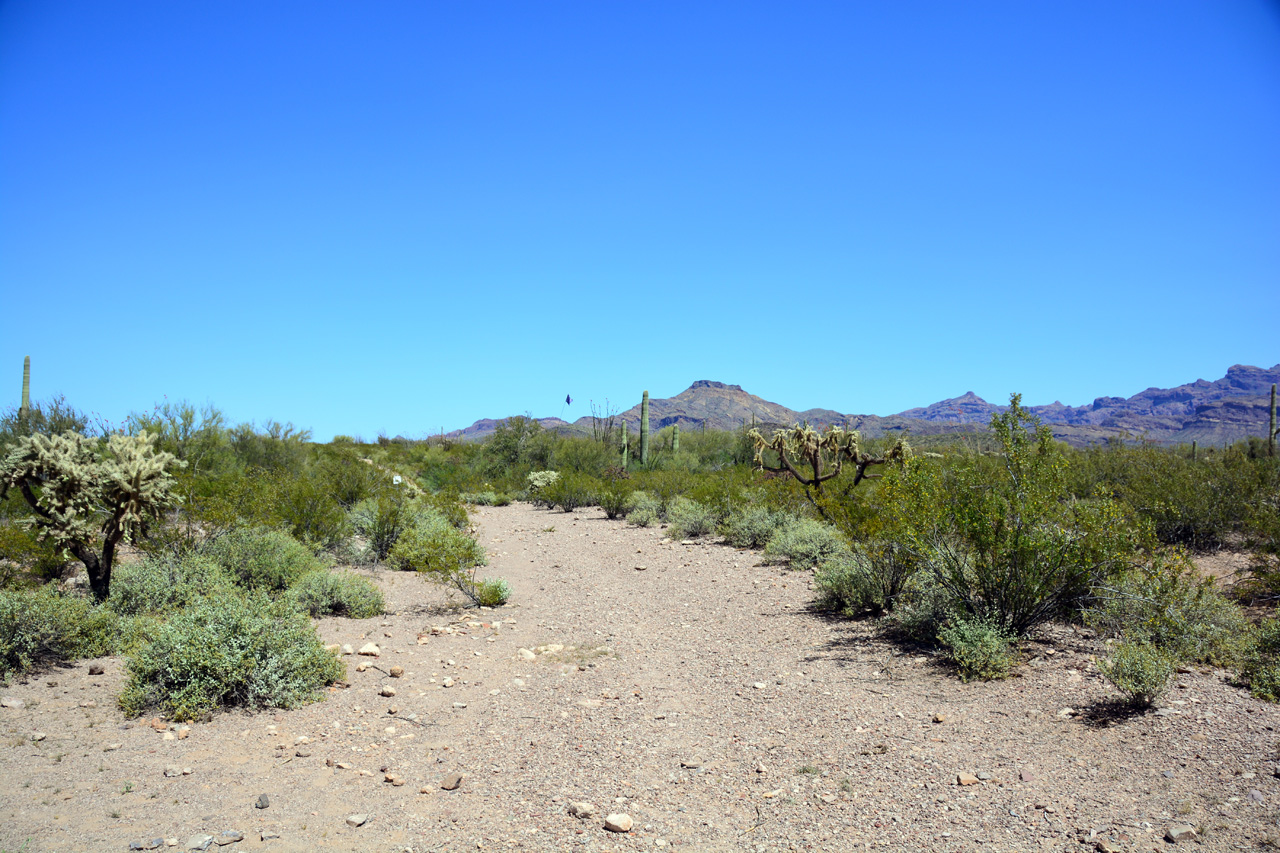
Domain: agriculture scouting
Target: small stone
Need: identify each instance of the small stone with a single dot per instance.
(38, 736)
(760, 768)
(985, 777)
(387, 691)
(112, 747)
(264, 802)
(357, 819)
(186, 771)
(172, 770)
(395, 780)
(641, 568)
(396, 672)
(451, 782)
(1179, 832)
(184, 733)
(199, 842)
(95, 669)
(370, 649)
(759, 685)
(966, 779)
(1026, 776)
(691, 764)
(12, 702)
(525, 654)
(158, 724)
(1255, 796)
(448, 682)
(583, 811)
(459, 704)
(829, 799)
(939, 718)
(347, 649)
(229, 836)
(302, 753)
(618, 823)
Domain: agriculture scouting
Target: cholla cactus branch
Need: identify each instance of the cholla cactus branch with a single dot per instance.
(87, 498)
(822, 455)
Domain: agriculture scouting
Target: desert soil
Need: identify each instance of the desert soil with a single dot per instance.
(683, 684)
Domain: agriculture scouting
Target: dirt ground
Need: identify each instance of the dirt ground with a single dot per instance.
(684, 685)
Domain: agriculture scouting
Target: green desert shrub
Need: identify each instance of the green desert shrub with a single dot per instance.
(979, 648)
(571, 491)
(436, 547)
(262, 559)
(1140, 670)
(24, 557)
(381, 520)
(753, 526)
(326, 593)
(229, 651)
(486, 498)
(41, 626)
(1166, 604)
(688, 519)
(642, 509)
(804, 543)
(614, 498)
(160, 583)
(869, 576)
(1261, 670)
(493, 592)
(537, 485)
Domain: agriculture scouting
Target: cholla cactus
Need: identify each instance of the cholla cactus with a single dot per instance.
(824, 454)
(87, 498)
(539, 480)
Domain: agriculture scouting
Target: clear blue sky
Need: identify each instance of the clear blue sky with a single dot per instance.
(404, 216)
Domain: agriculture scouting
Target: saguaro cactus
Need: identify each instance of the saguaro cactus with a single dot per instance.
(1193, 450)
(675, 438)
(25, 408)
(644, 429)
(626, 444)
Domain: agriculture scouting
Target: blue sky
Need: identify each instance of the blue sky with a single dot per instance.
(406, 216)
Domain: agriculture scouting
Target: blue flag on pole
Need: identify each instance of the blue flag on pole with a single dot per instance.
(568, 401)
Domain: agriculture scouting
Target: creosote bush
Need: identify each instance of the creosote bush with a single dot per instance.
(1261, 670)
(804, 543)
(262, 559)
(870, 576)
(229, 651)
(324, 593)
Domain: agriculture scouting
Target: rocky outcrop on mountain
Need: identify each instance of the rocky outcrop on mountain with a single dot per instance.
(1225, 410)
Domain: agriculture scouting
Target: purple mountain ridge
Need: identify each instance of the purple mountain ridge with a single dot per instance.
(1222, 411)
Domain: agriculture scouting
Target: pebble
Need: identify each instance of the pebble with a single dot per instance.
(95, 669)
(525, 654)
(152, 844)
(451, 782)
(1105, 846)
(583, 811)
(618, 822)
(357, 820)
(12, 702)
(1255, 796)
(370, 649)
(387, 691)
(966, 779)
(759, 685)
(264, 802)
(396, 672)
(199, 842)
(112, 747)
(347, 649)
(395, 780)
(229, 836)
(38, 736)
(1179, 832)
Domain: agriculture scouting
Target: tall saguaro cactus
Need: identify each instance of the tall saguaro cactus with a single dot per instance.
(675, 438)
(25, 408)
(644, 429)
(626, 444)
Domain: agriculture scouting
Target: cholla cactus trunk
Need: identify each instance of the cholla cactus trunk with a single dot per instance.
(26, 393)
(675, 438)
(1271, 429)
(644, 429)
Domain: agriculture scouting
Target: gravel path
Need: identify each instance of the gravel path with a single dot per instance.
(683, 685)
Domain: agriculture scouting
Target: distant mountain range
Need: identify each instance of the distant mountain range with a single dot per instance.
(1225, 410)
